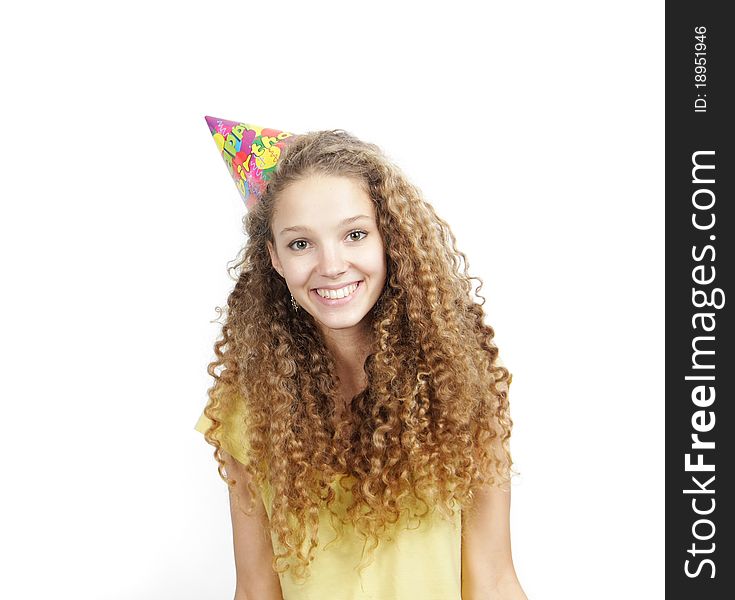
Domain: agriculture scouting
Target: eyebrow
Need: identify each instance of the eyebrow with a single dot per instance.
(341, 224)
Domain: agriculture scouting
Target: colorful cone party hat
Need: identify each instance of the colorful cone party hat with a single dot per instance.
(250, 153)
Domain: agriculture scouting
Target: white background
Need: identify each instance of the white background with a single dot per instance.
(535, 129)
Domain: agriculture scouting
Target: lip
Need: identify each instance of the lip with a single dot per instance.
(338, 301)
(336, 287)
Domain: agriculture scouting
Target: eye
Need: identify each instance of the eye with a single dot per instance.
(357, 232)
(293, 246)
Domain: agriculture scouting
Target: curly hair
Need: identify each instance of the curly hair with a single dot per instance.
(433, 423)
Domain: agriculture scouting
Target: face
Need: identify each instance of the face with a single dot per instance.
(328, 249)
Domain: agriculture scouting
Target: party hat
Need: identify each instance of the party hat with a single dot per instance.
(250, 153)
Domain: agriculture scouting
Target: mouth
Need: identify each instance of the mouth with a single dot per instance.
(337, 297)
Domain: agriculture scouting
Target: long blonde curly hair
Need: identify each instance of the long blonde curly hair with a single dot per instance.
(433, 423)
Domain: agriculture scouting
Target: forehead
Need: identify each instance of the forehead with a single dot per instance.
(320, 201)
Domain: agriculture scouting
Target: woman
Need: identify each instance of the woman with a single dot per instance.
(359, 413)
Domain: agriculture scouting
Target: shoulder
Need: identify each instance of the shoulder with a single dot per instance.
(231, 432)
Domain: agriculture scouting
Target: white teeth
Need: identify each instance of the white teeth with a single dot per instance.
(340, 293)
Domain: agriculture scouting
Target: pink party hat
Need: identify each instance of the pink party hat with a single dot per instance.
(250, 153)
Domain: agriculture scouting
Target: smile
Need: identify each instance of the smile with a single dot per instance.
(340, 293)
(338, 296)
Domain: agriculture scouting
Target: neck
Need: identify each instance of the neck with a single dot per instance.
(350, 348)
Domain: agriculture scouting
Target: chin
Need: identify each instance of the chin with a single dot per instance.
(339, 322)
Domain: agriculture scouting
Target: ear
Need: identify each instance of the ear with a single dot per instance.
(274, 259)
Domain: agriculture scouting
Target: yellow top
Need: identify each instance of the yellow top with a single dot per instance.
(419, 562)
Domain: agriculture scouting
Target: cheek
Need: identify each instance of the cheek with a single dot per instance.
(378, 263)
(295, 272)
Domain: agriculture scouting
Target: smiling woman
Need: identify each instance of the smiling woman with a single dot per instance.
(335, 271)
(359, 412)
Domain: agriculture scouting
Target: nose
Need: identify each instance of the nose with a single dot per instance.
(331, 261)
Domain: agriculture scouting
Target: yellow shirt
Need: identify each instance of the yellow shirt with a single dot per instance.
(421, 562)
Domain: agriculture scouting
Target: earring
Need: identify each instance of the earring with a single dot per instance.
(293, 303)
